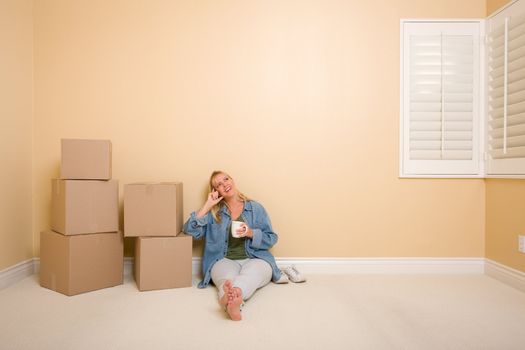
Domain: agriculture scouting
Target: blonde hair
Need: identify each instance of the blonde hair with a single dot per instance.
(217, 207)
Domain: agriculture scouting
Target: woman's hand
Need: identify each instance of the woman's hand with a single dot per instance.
(245, 231)
(213, 198)
(211, 201)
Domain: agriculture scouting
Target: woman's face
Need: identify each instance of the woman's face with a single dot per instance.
(224, 184)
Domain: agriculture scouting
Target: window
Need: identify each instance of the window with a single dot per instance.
(506, 91)
(463, 96)
(440, 106)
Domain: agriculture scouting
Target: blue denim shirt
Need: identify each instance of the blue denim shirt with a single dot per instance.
(217, 235)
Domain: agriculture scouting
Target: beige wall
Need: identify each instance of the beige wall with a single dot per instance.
(494, 5)
(16, 90)
(505, 221)
(298, 100)
(166, 82)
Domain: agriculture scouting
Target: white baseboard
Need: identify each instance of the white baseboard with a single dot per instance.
(128, 266)
(311, 266)
(385, 265)
(505, 274)
(16, 272)
(332, 266)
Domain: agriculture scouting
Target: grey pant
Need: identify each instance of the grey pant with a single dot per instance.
(247, 274)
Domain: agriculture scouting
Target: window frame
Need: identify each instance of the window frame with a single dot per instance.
(482, 102)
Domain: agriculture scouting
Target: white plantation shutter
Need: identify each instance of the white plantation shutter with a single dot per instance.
(506, 91)
(440, 98)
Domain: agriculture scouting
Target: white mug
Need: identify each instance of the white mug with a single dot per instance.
(238, 225)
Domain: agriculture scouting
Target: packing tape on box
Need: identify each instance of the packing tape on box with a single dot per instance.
(92, 211)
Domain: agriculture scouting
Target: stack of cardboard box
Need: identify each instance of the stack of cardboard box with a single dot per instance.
(84, 251)
(153, 214)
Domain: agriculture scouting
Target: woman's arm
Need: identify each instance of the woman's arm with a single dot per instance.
(211, 201)
(262, 236)
(196, 224)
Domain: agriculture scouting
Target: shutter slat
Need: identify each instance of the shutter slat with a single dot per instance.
(515, 130)
(513, 109)
(425, 155)
(438, 155)
(495, 54)
(517, 20)
(496, 72)
(516, 152)
(516, 39)
(426, 79)
(512, 98)
(458, 116)
(497, 62)
(459, 88)
(425, 135)
(451, 145)
(422, 70)
(425, 107)
(458, 107)
(436, 116)
(462, 98)
(514, 141)
(515, 78)
(516, 65)
(425, 97)
(420, 116)
(497, 32)
(513, 87)
(516, 108)
(458, 78)
(438, 125)
(425, 145)
(425, 88)
(517, 53)
(495, 83)
(457, 126)
(436, 135)
(457, 155)
(459, 135)
(516, 99)
(512, 120)
(497, 41)
(425, 126)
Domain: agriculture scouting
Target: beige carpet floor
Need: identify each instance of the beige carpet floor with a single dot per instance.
(327, 312)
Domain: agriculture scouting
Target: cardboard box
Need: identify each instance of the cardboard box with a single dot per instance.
(86, 159)
(84, 206)
(152, 209)
(76, 264)
(163, 262)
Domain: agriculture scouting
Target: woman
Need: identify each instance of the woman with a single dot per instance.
(237, 266)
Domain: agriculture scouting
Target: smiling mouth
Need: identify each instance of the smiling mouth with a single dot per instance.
(227, 189)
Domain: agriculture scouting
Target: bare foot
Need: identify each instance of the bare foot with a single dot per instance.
(234, 304)
(227, 287)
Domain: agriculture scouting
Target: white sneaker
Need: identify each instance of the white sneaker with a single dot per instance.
(283, 279)
(293, 274)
